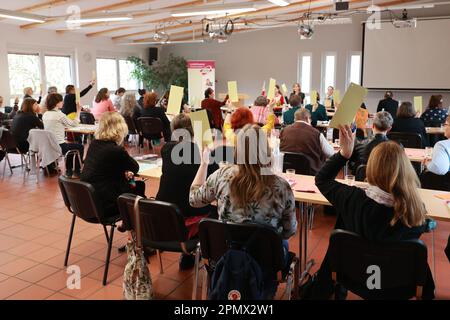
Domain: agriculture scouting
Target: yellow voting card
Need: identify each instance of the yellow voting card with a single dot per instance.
(350, 104)
(94, 75)
(284, 89)
(418, 104)
(313, 97)
(202, 129)
(233, 91)
(77, 96)
(175, 98)
(271, 93)
(336, 97)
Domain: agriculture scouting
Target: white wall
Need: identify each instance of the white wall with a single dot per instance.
(250, 58)
(14, 39)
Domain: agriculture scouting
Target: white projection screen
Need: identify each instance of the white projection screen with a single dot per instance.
(408, 58)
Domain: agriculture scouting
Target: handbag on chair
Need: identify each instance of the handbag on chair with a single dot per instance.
(137, 282)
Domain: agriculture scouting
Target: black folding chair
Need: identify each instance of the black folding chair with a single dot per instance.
(298, 161)
(9, 146)
(163, 226)
(391, 270)
(81, 200)
(150, 128)
(360, 172)
(132, 130)
(407, 139)
(216, 237)
(87, 118)
(432, 181)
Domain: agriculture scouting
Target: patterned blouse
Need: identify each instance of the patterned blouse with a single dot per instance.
(431, 117)
(276, 208)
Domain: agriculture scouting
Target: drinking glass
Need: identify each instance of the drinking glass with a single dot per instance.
(350, 180)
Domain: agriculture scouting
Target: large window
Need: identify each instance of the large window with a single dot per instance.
(125, 79)
(305, 75)
(355, 69)
(24, 71)
(107, 74)
(58, 72)
(329, 71)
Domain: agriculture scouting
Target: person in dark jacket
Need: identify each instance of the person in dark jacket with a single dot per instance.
(151, 110)
(318, 112)
(28, 93)
(297, 91)
(108, 167)
(388, 104)
(25, 120)
(180, 163)
(142, 93)
(390, 209)
(406, 121)
(70, 105)
(213, 106)
(435, 115)
(382, 124)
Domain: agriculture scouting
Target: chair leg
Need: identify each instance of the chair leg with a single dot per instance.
(106, 233)
(69, 242)
(161, 271)
(197, 262)
(108, 255)
(311, 218)
(205, 284)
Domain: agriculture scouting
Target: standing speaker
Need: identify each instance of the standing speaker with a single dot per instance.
(153, 55)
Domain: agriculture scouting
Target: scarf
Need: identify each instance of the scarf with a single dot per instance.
(380, 196)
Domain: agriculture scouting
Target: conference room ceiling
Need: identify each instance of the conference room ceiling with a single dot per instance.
(149, 16)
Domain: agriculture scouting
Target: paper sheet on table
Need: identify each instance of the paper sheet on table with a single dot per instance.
(202, 130)
(418, 104)
(306, 186)
(271, 93)
(175, 98)
(77, 96)
(336, 97)
(143, 166)
(284, 89)
(346, 113)
(233, 91)
(417, 153)
(313, 97)
(443, 196)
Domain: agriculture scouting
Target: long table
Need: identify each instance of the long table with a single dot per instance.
(83, 129)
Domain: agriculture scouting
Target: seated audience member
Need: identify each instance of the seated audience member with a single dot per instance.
(3, 116)
(213, 106)
(15, 109)
(261, 111)
(435, 115)
(142, 93)
(297, 90)
(329, 98)
(70, 105)
(25, 120)
(406, 121)
(295, 103)
(279, 98)
(129, 105)
(108, 167)
(164, 101)
(246, 193)
(118, 98)
(43, 105)
(318, 111)
(179, 177)
(151, 110)
(57, 122)
(102, 104)
(440, 163)
(388, 104)
(28, 93)
(302, 137)
(362, 115)
(389, 210)
(382, 124)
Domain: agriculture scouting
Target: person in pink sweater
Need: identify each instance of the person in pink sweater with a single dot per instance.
(102, 104)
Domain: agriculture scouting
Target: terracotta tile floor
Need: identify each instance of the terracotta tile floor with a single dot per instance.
(34, 226)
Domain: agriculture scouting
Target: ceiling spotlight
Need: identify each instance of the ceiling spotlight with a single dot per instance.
(161, 36)
(305, 31)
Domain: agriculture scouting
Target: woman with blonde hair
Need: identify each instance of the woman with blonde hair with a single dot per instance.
(108, 166)
(128, 105)
(248, 191)
(390, 209)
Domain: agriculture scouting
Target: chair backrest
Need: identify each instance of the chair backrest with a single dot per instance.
(401, 266)
(216, 237)
(79, 197)
(87, 118)
(149, 126)
(160, 221)
(360, 173)
(298, 161)
(131, 125)
(406, 139)
(432, 181)
(7, 141)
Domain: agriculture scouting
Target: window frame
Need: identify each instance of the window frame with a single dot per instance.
(349, 66)
(300, 72)
(323, 84)
(117, 59)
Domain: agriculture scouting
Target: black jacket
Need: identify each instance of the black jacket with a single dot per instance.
(176, 179)
(390, 105)
(70, 104)
(22, 124)
(155, 112)
(376, 140)
(411, 125)
(104, 167)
